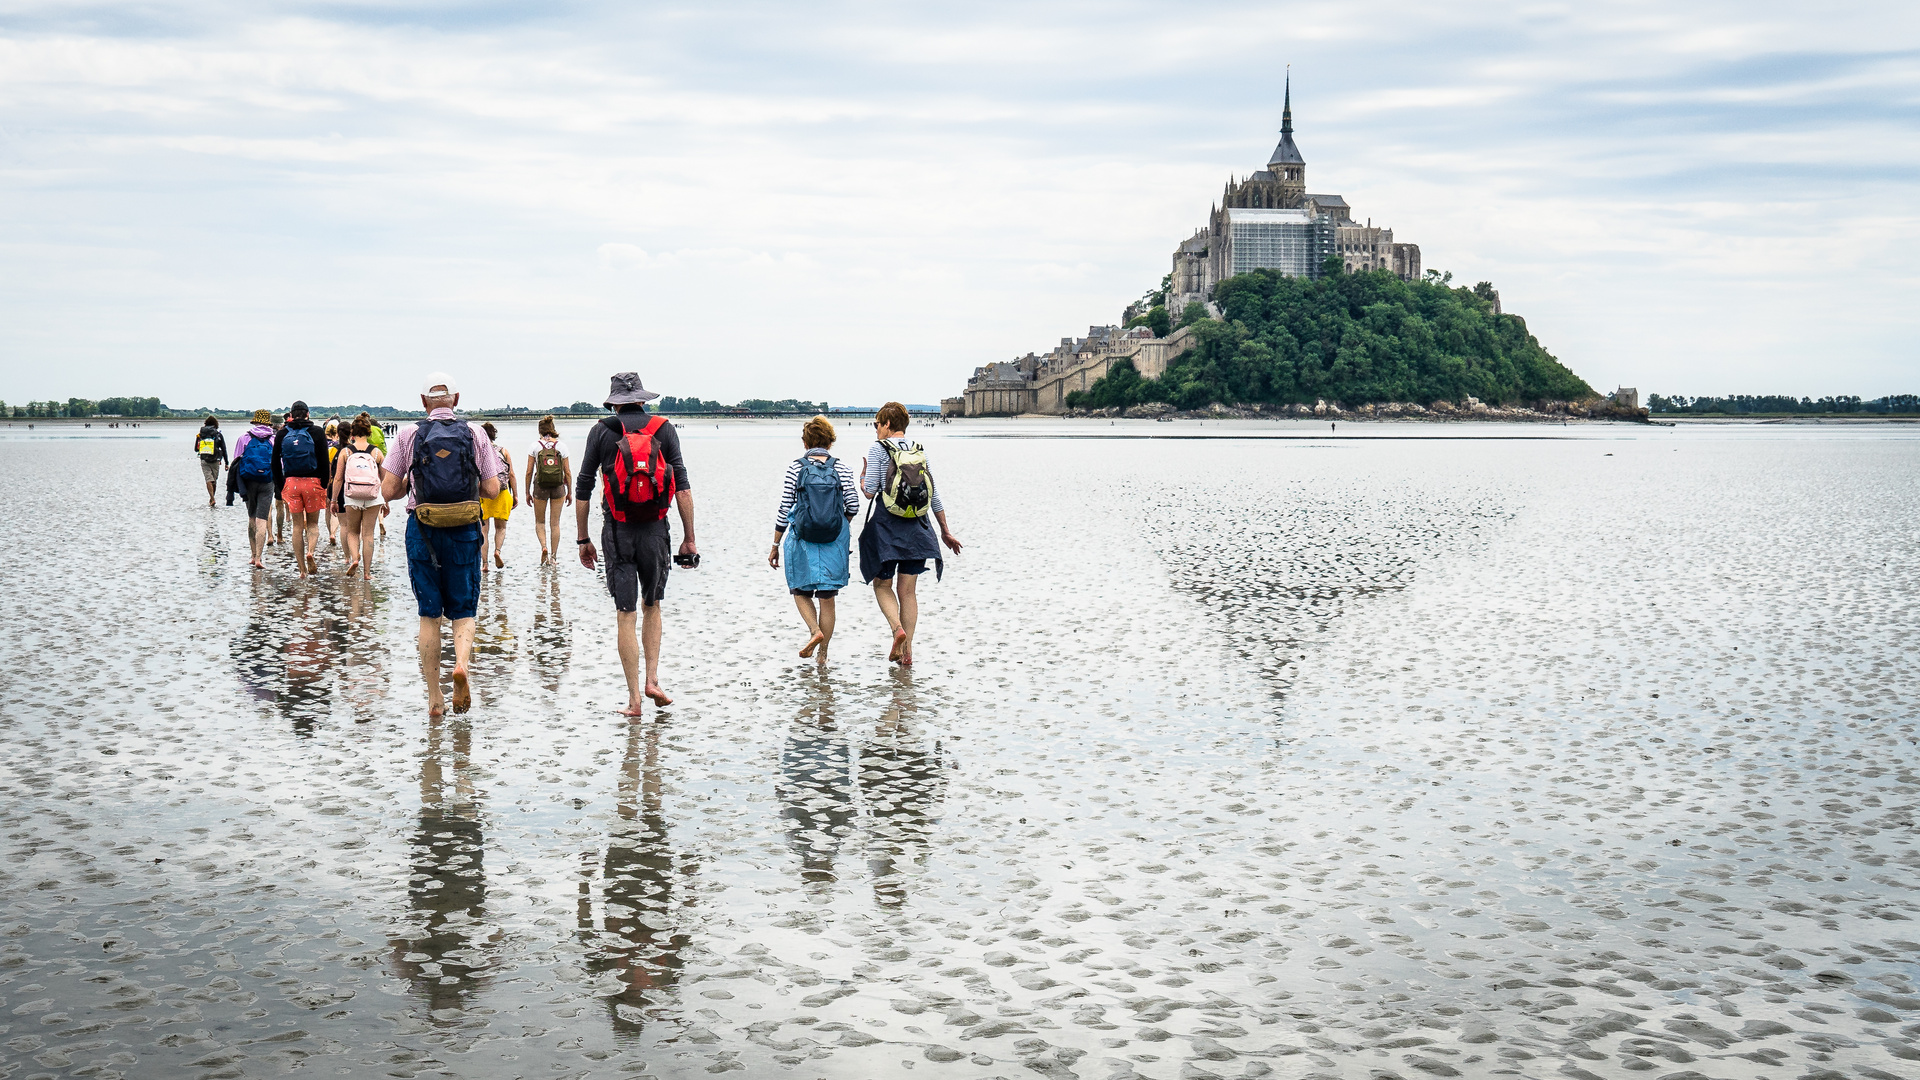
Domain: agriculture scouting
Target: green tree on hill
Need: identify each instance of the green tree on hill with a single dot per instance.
(1353, 338)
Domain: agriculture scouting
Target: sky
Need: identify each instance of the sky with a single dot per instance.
(236, 204)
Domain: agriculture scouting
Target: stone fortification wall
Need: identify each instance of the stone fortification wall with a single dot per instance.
(1046, 391)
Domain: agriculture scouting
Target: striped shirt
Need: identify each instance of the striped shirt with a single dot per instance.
(790, 491)
(876, 473)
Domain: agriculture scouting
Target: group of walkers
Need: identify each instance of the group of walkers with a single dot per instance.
(455, 479)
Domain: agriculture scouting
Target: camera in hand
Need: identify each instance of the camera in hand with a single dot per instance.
(687, 562)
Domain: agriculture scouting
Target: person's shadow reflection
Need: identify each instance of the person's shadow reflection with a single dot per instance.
(903, 784)
(448, 888)
(639, 874)
(286, 653)
(551, 646)
(816, 788)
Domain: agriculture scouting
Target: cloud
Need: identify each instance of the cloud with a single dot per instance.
(788, 193)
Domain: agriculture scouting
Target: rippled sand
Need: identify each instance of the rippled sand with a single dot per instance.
(1576, 756)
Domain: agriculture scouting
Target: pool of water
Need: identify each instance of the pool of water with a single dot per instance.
(1232, 750)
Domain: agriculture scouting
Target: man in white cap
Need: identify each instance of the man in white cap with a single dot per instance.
(444, 466)
(637, 459)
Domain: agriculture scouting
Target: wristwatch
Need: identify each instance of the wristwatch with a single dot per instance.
(578, 542)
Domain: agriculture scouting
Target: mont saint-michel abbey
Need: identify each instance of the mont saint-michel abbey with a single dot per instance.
(1265, 221)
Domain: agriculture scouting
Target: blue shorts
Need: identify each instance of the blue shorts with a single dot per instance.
(444, 566)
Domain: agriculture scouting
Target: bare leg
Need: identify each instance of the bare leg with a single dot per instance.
(630, 659)
(500, 541)
(430, 665)
(385, 509)
(308, 526)
(909, 614)
(826, 624)
(279, 521)
(299, 522)
(890, 607)
(462, 660)
(650, 638)
(486, 538)
(351, 546)
(209, 493)
(812, 619)
(257, 535)
(368, 519)
(540, 527)
(553, 526)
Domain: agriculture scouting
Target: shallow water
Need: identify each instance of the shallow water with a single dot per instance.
(1392, 750)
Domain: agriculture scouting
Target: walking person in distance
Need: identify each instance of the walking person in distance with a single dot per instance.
(549, 486)
(377, 435)
(356, 490)
(251, 477)
(494, 511)
(638, 460)
(444, 466)
(301, 469)
(817, 502)
(898, 538)
(212, 448)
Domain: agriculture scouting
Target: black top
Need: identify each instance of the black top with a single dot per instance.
(219, 441)
(601, 444)
(320, 469)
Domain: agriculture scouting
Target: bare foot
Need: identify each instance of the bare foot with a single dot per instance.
(906, 659)
(813, 643)
(352, 566)
(462, 694)
(658, 695)
(632, 709)
(313, 565)
(499, 561)
(436, 705)
(899, 643)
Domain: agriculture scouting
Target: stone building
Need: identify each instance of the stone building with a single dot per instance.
(1269, 220)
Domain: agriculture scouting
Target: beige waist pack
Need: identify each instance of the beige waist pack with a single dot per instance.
(447, 515)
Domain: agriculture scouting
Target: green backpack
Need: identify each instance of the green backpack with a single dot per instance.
(548, 470)
(908, 489)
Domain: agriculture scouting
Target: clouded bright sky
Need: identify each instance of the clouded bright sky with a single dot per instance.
(238, 202)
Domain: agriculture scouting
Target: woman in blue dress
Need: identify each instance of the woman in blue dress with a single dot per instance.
(812, 531)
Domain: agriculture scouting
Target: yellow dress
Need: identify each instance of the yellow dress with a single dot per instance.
(502, 504)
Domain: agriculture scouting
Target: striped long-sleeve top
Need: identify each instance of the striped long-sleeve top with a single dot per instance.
(876, 473)
(790, 491)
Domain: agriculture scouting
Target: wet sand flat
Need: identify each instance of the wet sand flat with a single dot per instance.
(1232, 750)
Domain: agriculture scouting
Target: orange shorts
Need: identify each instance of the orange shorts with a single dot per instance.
(303, 495)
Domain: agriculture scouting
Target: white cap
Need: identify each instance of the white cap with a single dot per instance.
(435, 381)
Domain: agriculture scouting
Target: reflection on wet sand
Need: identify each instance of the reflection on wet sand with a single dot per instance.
(635, 939)
(447, 891)
(494, 645)
(552, 645)
(893, 797)
(816, 788)
(363, 656)
(903, 784)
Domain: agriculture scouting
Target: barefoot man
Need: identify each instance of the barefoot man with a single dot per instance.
(637, 459)
(444, 466)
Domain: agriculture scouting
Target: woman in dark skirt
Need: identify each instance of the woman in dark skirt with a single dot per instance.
(898, 538)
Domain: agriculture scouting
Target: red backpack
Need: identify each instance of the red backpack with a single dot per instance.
(638, 484)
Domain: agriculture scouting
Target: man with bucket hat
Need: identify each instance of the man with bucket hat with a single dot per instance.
(637, 460)
(444, 466)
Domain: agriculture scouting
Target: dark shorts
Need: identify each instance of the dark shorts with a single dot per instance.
(816, 594)
(909, 567)
(637, 555)
(557, 491)
(258, 495)
(444, 566)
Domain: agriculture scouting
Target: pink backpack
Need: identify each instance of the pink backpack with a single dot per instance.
(362, 475)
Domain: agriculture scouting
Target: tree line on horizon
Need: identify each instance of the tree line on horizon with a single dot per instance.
(153, 408)
(1355, 338)
(1749, 404)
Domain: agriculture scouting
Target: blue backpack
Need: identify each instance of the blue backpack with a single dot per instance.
(443, 469)
(256, 461)
(296, 451)
(818, 510)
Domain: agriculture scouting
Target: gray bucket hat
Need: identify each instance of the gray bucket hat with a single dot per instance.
(626, 390)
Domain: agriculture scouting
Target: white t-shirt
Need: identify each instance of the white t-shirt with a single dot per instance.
(558, 444)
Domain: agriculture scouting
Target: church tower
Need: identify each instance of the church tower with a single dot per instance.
(1286, 165)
